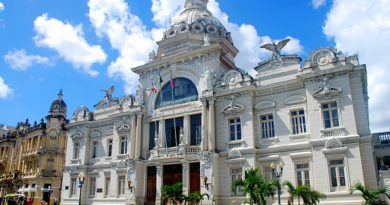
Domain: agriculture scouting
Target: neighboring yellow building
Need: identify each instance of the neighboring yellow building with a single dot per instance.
(33, 156)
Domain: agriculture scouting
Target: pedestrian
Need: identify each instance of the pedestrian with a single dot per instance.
(55, 201)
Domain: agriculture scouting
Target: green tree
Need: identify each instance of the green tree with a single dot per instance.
(371, 197)
(172, 192)
(306, 193)
(256, 186)
(196, 197)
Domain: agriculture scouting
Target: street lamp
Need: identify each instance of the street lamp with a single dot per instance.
(81, 182)
(277, 175)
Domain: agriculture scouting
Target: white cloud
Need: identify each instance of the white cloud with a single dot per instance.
(318, 3)
(165, 10)
(1, 6)
(248, 41)
(5, 90)
(68, 41)
(127, 34)
(245, 36)
(363, 27)
(20, 60)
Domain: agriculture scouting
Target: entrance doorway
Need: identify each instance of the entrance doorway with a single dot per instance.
(151, 186)
(172, 174)
(195, 177)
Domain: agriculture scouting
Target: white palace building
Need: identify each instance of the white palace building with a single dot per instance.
(200, 120)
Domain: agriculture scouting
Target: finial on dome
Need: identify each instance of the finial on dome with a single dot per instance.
(60, 94)
(202, 4)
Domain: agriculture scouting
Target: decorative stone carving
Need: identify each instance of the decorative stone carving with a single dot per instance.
(232, 77)
(209, 80)
(233, 108)
(234, 153)
(152, 56)
(126, 101)
(96, 134)
(132, 168)
(108, 100)
(77, 135)
(265, 105)
(295, 99)
(333, 143)
(206, 39)
(322, 57)
(276, 50)
(326, 91)
(140, 95)
(123, 128)
(80, 113)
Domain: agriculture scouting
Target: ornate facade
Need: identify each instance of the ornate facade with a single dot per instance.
(33, 156)
(200, 120)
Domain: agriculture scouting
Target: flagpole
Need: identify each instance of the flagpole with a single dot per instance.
(174, 117)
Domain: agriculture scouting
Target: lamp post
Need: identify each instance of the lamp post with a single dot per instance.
(277, 175)
(81, 182)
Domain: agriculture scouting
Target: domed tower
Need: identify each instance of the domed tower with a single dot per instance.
(57, 112)
(196, 27)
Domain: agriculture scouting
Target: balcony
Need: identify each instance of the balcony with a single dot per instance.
(180, 151)
(31, 153)
(381, 139)
(48, 173)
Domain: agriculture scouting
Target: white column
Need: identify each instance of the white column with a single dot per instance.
(211, 121)
(132, 137)
(159, 183)
(161, 133)
(187, 130)
(186, 178)
(138, 136)
(204, 127)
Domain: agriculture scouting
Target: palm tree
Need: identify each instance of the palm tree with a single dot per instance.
(308, 195)
(256, 186)
(174, 192)
(372, 197)
(196, 197)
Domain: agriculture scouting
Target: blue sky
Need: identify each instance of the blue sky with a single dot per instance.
(85, 46)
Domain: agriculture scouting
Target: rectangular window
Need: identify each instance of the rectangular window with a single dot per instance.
(267, 126)
(92, 186)
(153, 131)
(121, 186)
(330, 114)
(107, 183)
(123, 145)
(94, 149)
(298, 122)
(109, 147)
(303, 175)
(73, 187)
(337, 174)
(236, 174)
(76, 150)
(172, 131)
(235, 129)
(196, 128)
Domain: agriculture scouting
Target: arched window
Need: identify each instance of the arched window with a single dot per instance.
(183, 91)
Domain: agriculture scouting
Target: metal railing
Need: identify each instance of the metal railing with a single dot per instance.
(189, 150)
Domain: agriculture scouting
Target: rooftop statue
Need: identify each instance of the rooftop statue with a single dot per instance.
(276, 49)
(108, 92)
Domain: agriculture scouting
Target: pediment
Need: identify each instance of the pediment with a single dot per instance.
(265, 105)
(295, 99)
(327, 92)
(232, 109)
(232, 77)
(77, 135)
(123, 128)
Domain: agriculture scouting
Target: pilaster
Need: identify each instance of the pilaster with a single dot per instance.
(211, 121)
(139, 138)
(159, 182)
(204, 126)
(133, 136)
(186, 178)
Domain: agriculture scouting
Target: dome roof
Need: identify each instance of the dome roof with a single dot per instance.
(196, 19)
(58, 106)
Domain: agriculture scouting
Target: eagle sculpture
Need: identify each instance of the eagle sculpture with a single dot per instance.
(109, 92)
(276, 49)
